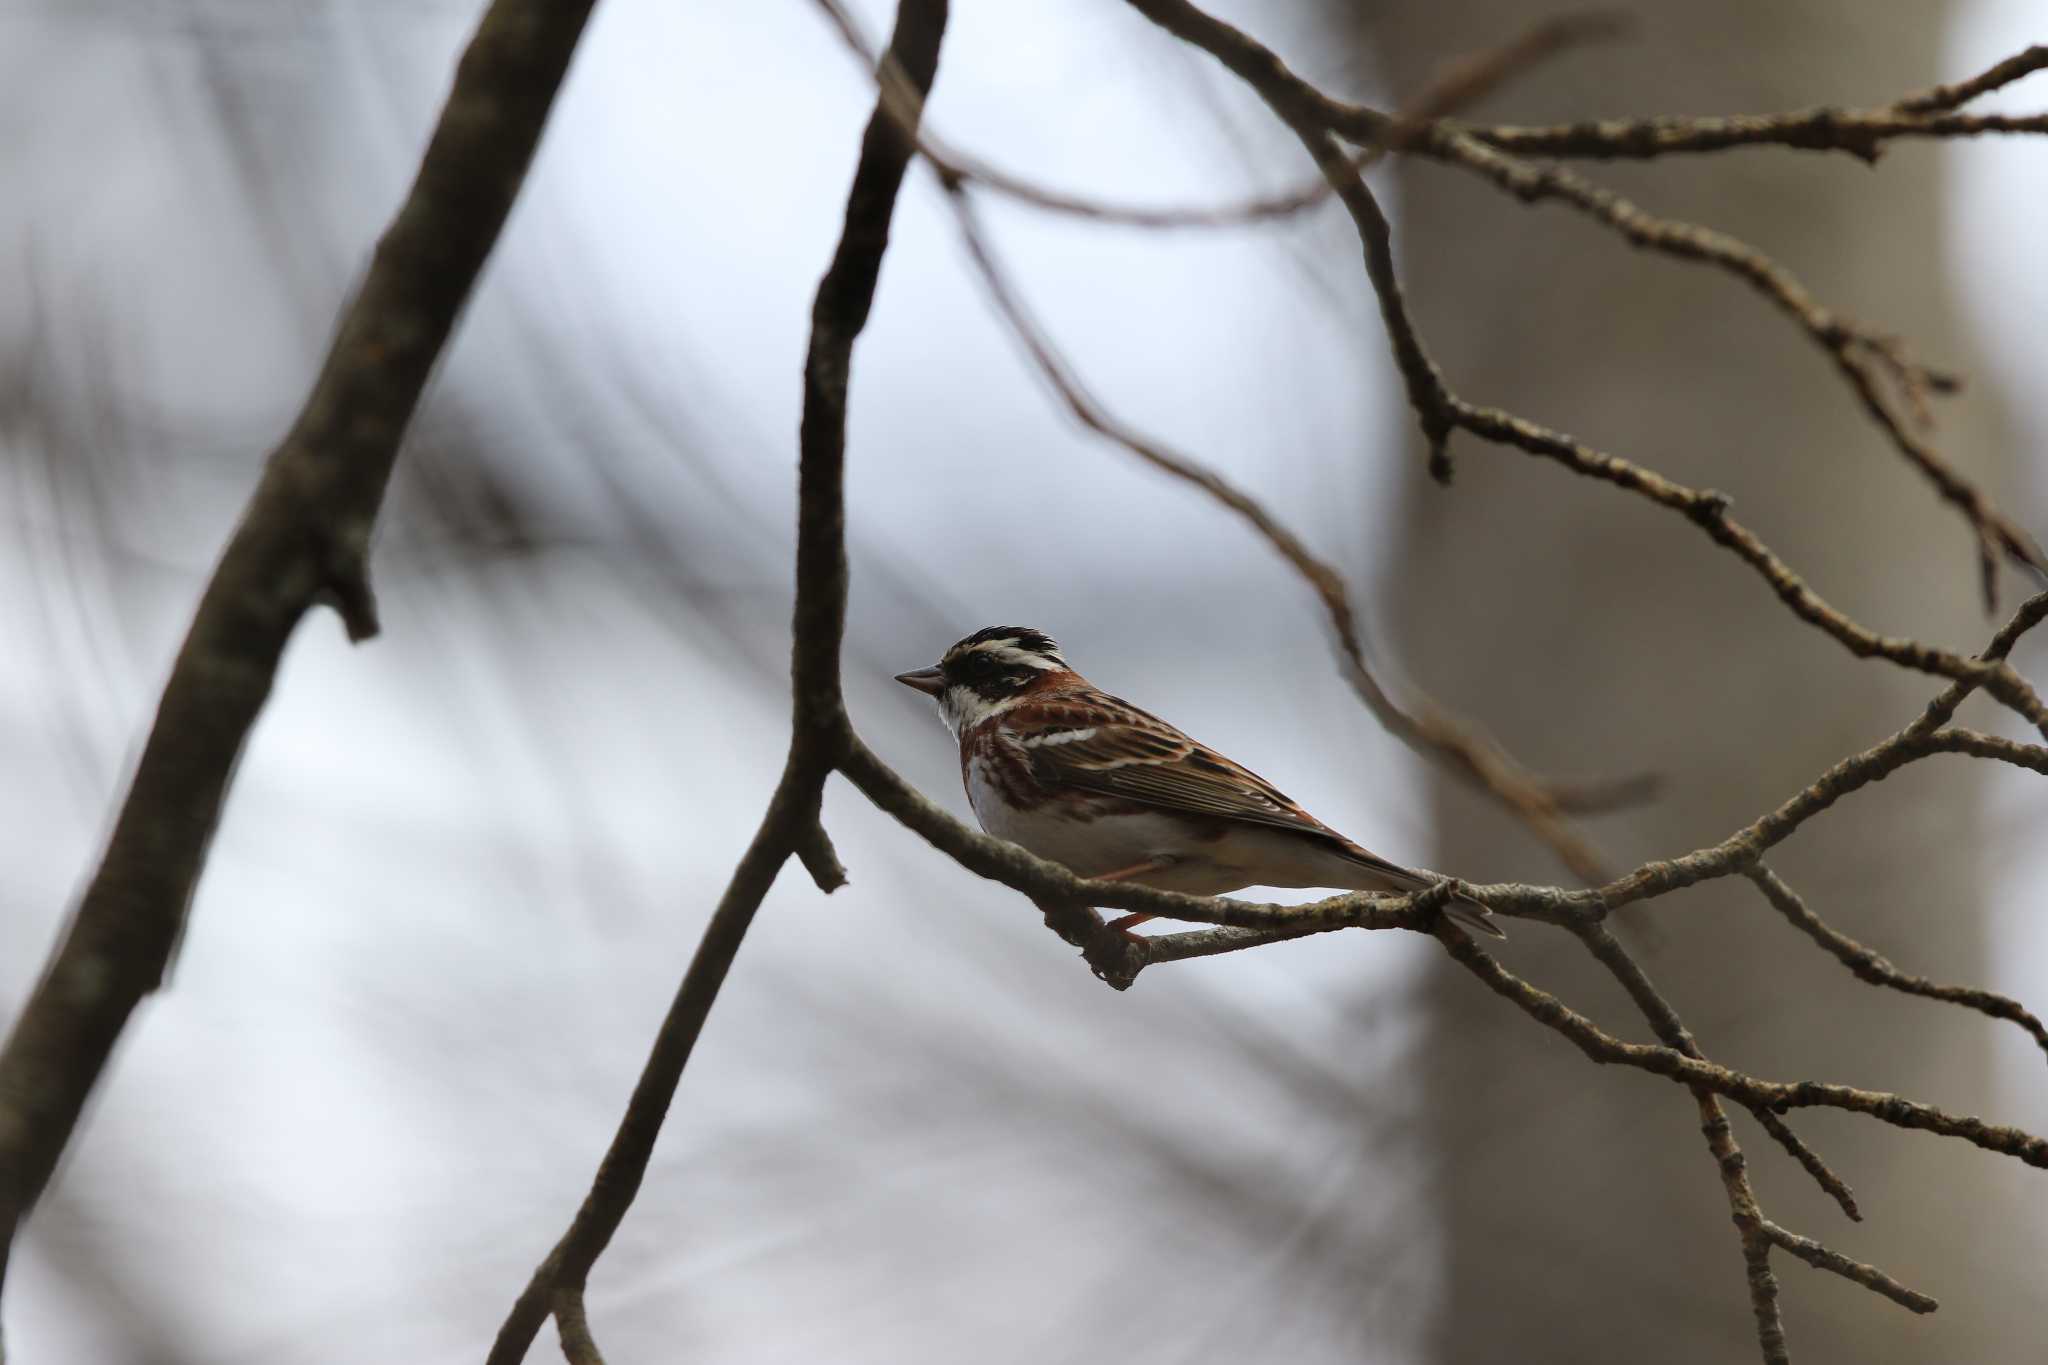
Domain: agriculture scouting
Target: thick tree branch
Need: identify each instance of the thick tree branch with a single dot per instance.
(304, 537)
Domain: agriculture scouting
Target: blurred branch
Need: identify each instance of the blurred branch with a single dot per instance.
(818, 728)
(1460, 83)
(303, 538)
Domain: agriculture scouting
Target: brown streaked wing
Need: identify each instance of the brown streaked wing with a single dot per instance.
(1142, 758)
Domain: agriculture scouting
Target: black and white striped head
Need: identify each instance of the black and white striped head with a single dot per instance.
(987, 672)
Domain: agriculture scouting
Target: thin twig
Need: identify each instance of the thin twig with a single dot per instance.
(1860, 132)
(1749, 1227)
(818, 723)
(303, 538)
(1870, 1277)
(1943, 708)
(1994, 77)
(1863, 133)
(1664, 1021)
(1461, 83)
(1874, 968)
(1863, 356)
(1745, 1089)
(1298, 105)
(1708, 510)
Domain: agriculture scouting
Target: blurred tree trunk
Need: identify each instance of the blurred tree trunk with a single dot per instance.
(1595, 634)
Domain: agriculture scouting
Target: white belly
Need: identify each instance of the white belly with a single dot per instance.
(1088, 847)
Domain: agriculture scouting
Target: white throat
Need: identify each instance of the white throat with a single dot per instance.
(962, 708)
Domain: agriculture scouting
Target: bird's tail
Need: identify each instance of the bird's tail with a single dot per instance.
(1472, 915)
(1381, 875)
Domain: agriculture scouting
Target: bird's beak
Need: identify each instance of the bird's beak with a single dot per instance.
(929, 681)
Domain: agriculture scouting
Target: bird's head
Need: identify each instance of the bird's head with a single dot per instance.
(986, 672)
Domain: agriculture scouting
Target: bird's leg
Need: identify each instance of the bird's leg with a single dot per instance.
(1126, 923)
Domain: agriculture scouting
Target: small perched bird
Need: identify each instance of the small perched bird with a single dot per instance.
(1075, 775)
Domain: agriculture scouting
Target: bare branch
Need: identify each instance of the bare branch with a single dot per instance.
(1464, 81)
(1298, 105)
(1749, 1226)
(1870, 1277)
(567, 1266)
(1554, 1014)
(1874, 968)
(818, 724)
(1709, 511)
(1943, 708)
(1995, 77)
(1860, 132)
(1461, 83)
(303, 538)
(1664, 1021)
(1862, 355)
(813, 847)
(578, 1346)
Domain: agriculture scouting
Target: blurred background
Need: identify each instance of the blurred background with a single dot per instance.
(463, 868)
